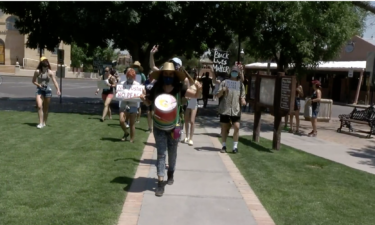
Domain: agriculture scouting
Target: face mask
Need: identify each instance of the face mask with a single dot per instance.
(130, 80)
(234, 74)
(168, 80)
(136, 70)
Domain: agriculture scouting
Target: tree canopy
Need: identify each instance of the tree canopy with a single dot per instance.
(302, 33)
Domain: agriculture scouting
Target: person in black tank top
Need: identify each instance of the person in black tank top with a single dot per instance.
(315, 105)
(297, 108)
(107, 93)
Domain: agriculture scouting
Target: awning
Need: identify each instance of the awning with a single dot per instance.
(323, 66)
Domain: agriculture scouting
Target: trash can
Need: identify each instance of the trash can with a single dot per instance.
(325, 110)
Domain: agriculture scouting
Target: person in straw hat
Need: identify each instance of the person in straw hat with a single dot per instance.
(169, 81)
(42, 76)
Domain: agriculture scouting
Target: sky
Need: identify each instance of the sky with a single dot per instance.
(370, 25)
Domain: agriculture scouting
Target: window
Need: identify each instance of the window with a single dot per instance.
(10, 23)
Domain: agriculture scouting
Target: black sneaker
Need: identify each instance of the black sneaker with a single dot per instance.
(170, 178)
(224, 149)
(235, 150)
(159, 189)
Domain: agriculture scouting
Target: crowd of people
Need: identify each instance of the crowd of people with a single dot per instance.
(174, 82)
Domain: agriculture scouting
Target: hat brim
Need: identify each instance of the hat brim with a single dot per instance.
(180, 75)
(136, 66)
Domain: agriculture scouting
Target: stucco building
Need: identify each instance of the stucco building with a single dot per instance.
(13, 48)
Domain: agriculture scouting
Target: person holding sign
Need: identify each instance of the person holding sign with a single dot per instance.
(233, 92)
(107, 93)
(42, 76)
(166, 96)
(128, 109)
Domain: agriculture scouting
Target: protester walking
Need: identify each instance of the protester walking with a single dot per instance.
(42, 76)
(149, 83)
(128, 109)
(169, 89)
(315, 106)
(190, 114)
(107, 93)
(206, 85)
(230, 107)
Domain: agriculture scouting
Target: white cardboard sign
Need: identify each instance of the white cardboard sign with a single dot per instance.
(232, 85)
(129, 93)
(103, 84)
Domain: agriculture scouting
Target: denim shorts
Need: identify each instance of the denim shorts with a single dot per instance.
(314, 113)
(131, 109)
(45, 92)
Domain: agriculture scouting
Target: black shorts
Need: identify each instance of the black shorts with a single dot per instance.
(150, 108)
(229, 119)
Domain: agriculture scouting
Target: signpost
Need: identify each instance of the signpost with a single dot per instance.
(276, 93)
(60, 60)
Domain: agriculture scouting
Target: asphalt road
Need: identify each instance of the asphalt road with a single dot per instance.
(21, 87)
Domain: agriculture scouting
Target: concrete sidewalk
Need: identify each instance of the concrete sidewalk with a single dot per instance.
(361, 159)
(208, 189)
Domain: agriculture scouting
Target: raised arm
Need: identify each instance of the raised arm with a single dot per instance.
(152, 61)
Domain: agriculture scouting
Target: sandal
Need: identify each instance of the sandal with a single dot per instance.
(312, 134)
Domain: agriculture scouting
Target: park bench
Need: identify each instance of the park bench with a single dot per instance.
(366, 116)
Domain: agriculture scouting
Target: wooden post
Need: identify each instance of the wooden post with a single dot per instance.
(277, 114)
(358, 88)
(257, 111)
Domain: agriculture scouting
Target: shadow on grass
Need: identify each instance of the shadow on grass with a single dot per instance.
(256, 146)
(31, 124)
(111, 139)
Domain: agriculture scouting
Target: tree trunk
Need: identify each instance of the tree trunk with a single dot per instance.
(365, 5)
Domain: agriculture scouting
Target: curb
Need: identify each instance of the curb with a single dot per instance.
(133, 202)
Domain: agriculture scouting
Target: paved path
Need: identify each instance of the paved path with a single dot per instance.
(208, 189)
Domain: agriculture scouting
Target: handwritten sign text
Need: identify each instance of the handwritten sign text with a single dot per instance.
(129, 92)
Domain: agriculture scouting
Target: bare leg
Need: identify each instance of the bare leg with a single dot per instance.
(236, 127)
(138, 114)
(224, 131)
(192, 122)
(39, 104)
(132, 118)
(187, 121)
(45, 109)
(109, 114)
(314, 124)
(291, 122)
(122, 122)
(106, 107)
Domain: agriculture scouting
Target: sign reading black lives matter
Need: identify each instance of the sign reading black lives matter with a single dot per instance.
(221, 59)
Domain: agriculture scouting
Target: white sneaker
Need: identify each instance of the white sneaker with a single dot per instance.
(40, 126)
(127, 125)
(191, 143)
(186, 140)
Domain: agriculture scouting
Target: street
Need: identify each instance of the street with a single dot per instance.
(21, 87)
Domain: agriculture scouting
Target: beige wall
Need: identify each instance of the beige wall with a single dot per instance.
(15, 46)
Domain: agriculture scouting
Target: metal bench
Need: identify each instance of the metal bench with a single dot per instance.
(366, 116)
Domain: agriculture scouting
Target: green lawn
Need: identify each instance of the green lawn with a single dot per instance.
(74, 171)
(297, 188)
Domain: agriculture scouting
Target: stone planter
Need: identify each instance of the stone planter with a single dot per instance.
(325, 110)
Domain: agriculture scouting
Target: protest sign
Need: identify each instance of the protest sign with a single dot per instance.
(221, 59)
(233, 85)
(129, 93)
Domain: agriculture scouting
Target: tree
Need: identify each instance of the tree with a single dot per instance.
(180, 28)
(302, 33)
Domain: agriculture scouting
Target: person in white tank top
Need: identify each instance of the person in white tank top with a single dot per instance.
(190, 113)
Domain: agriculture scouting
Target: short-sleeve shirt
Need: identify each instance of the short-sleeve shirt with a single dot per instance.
(230, 104)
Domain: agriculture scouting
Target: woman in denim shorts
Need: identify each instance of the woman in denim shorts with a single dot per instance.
(41, 79)
(169, 81)
(315, 105)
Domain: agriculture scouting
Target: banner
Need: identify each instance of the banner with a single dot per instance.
(129, 93)
(221, 59)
